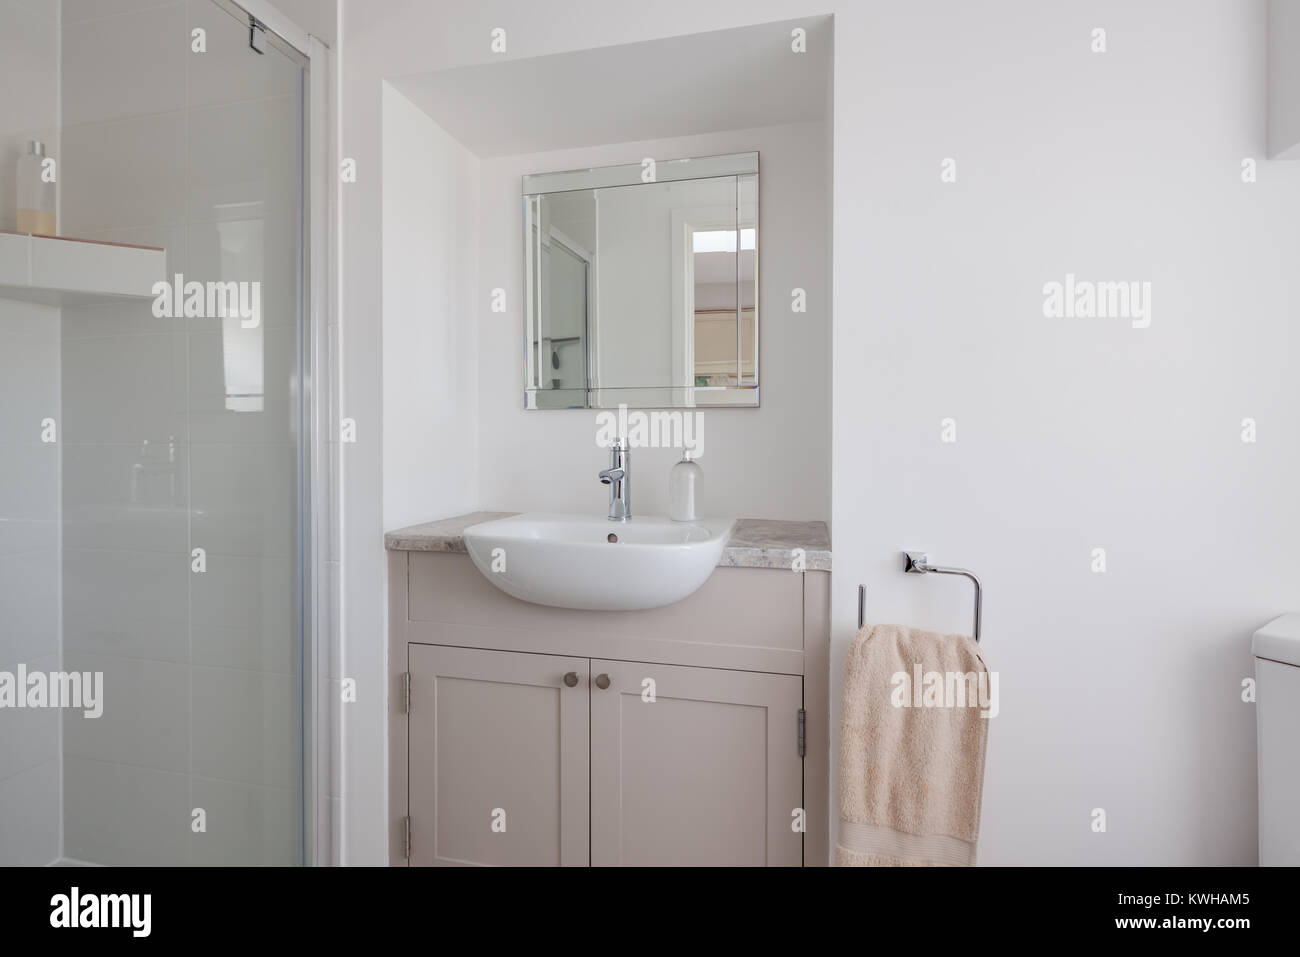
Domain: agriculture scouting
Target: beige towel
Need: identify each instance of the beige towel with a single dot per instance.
(910, 778)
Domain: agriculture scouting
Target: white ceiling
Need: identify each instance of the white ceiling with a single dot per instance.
(680, 86)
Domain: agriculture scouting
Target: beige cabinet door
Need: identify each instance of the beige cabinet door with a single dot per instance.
(497, 758)
(704, 771)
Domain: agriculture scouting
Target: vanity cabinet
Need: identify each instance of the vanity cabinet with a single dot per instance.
(706, 773)
(692, 734)
(523, 759)
(498, 758)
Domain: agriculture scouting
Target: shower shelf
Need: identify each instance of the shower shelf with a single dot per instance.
(57, 271)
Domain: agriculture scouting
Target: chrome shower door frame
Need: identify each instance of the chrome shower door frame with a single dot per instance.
(319, 569)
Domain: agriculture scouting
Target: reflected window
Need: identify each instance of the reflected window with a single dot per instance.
(241, 348)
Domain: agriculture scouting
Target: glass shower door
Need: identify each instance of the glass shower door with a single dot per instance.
(182, 443)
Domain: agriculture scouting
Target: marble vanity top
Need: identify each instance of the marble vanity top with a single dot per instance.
(754, 543)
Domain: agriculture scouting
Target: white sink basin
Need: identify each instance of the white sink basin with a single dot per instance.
(579, 561)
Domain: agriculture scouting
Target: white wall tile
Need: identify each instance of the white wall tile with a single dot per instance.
(32, 800)
(243, 499)
(247, 825)
(29, 488)
(37, 324)
(29, 605)
(123, 173)
(246, 726)
(127, 65)
(122, 317)
(244, 612)
(77, 11)
(126, 604)
(146, 717)
(29, 496)
(19, 536)
(29, 52)
(125, 497)
(29, 737)
(124, 816)
(244, 161)
(125, 389)
(29, 381)
(14, 252)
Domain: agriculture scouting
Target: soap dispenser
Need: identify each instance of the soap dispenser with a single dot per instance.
(682, 483)
(35, 193)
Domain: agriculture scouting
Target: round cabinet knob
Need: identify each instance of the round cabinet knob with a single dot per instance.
(571, 679)
(602, 682)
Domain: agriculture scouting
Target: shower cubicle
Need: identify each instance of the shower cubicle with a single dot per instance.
(164, 382)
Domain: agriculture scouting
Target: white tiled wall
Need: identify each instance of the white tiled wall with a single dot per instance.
(196, 152)
(29, 577)
(29, 468)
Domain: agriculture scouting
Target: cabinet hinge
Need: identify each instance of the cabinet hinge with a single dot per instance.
(406, 692)
(406, 838)
(801, 737)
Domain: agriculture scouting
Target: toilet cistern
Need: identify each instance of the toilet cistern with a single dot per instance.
(619, 479)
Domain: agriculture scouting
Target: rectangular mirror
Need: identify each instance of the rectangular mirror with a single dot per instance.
(642, 285)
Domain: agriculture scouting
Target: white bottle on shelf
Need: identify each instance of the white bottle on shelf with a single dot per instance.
(36, 197)
(682, 483)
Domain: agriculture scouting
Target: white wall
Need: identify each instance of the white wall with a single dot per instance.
(769, 462)
(1284, 78)
(430, 335)
(29, 578)
(29, 468)
(318, 17)
(1118, 690)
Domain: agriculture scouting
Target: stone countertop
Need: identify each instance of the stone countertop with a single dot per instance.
(762, 543)
(754, 542)
(444, 535)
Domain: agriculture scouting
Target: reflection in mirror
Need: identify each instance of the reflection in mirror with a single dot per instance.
(723, 305)
(643, 293)
(563, 233)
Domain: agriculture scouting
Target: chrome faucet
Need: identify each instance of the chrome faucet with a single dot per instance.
(619, 479)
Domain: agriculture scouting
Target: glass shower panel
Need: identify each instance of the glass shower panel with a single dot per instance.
(181, 465)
